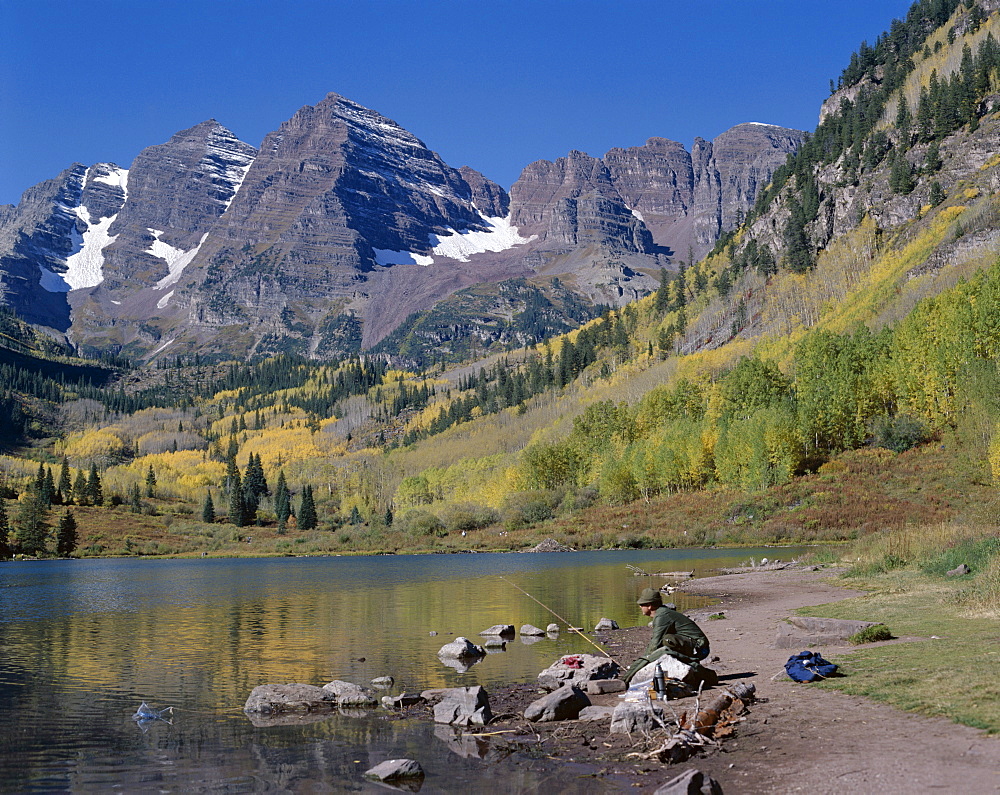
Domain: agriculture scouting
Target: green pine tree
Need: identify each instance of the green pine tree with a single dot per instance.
(135, 499)
(65, 483)
(95, 494)
(901, 175)
(4, 532)
(307, 510)
(150, 482)
(932, 160)
(80, 489)
(208, 509)
(237, 508)
(31, 530)
(50, 487)
(66, 535)
(937, 194)
(282, 500)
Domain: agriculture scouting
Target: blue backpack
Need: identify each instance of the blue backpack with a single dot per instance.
(809, 666)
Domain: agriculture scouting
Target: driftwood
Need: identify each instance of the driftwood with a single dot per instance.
(719, 716)
(704, 726)
(642, 573)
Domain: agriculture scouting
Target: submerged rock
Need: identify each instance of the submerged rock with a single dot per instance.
(348, 694)
(271, 698)
(461, 649)
(499, 629)
(531, 630)
(393, 769)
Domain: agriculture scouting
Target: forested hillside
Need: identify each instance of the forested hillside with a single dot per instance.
(853, 317)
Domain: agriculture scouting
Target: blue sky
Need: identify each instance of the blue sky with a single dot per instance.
(493, 85)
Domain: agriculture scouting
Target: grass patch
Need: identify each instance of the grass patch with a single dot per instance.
(950, 673)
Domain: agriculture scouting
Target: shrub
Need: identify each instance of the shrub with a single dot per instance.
(525, 508)
(898, 433)
(871, 634)
(457, 518)
(418, 522)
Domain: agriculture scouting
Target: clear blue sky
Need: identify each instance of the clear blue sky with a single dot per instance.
(494, 85)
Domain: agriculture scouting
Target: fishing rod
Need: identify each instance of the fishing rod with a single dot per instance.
(567, 623)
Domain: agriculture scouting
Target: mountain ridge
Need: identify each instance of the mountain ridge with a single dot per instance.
(337, 229)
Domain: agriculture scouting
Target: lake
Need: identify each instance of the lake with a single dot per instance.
(84, 642)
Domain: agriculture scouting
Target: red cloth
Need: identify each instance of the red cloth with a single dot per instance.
(573, 661)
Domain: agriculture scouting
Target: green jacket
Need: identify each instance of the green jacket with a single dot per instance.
(671, 622)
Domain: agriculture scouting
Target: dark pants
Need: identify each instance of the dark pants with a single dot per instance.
(677, 646)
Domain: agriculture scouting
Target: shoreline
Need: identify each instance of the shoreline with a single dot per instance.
(796, 738)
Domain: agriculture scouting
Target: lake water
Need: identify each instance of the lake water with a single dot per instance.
(82, 643)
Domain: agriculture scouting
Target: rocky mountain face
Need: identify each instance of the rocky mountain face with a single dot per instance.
(657, 199)
(343, 225)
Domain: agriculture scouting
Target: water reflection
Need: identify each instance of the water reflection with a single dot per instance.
(83, 643)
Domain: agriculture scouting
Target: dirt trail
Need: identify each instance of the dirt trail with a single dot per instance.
(808, 740)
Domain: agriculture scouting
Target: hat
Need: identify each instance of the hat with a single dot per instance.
(649, 596)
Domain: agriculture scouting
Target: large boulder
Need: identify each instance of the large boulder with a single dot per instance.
(348, 694)
(270, 698)
(672, 669)
(606, 624)
(801, 632)
(531, 629)
(463, 706)
(577, 669)
(562, 704)
(461, 649)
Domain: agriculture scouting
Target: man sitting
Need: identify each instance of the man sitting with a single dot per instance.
(673, 633)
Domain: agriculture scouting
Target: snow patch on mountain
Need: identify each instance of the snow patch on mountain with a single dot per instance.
(162, 303)
(164, 345)
(177, 259)
(114, 176)
(84, 267)
(226, 162)
(500, 236)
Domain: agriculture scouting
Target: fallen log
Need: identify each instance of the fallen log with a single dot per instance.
(720, 715)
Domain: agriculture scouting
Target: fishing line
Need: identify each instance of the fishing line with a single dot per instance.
(567, 623)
